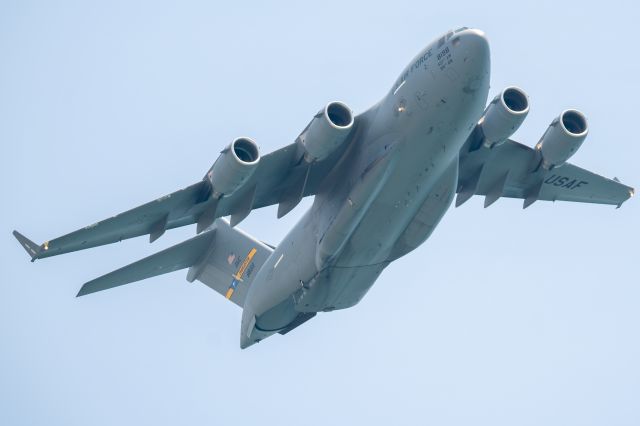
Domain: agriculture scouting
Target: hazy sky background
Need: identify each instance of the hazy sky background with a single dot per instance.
(503, 317)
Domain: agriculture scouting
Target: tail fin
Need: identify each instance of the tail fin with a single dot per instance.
(231, 263)
(224, 258)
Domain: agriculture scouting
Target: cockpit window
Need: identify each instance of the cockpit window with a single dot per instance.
(461, 29)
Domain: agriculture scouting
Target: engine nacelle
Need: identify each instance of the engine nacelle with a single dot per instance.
(562, 139)
(234, 166)
(503, 116)
(327, 131)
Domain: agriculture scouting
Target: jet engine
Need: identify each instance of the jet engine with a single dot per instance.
(562, 139)
(328, 130)
(234, 166)
(503, 116)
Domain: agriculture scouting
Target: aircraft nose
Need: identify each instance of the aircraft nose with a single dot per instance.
(475, 47)
(476, 62)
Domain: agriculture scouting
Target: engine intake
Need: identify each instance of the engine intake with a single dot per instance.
(234, 166)
(562, 138)
(327, 131)
(503, 116)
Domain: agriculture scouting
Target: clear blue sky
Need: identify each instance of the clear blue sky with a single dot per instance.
(503, 317)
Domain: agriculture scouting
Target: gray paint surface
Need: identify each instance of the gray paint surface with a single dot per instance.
(381, 180)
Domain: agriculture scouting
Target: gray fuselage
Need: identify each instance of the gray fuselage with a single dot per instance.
(384, 197)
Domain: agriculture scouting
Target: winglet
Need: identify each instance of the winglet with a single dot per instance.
(32, 248)
(632, 192)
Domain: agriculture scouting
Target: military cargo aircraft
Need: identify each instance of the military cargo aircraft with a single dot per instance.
(382, 180)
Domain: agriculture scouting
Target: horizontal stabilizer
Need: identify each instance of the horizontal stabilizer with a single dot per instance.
(180, 256)
(32, 248)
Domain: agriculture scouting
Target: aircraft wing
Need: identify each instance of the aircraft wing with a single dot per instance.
(511, 170)
(279, 178)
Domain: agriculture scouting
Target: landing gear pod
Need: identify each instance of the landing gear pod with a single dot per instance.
(503, 116)
(327, 131)
(563, 138)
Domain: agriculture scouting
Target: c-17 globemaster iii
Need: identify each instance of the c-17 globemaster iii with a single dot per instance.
(382, 180)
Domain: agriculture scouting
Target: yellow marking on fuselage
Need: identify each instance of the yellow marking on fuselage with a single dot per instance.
(245, 264)
(229, 293)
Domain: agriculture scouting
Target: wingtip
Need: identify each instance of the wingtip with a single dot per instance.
(29, 246)
(631, 192)
(90, 287)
